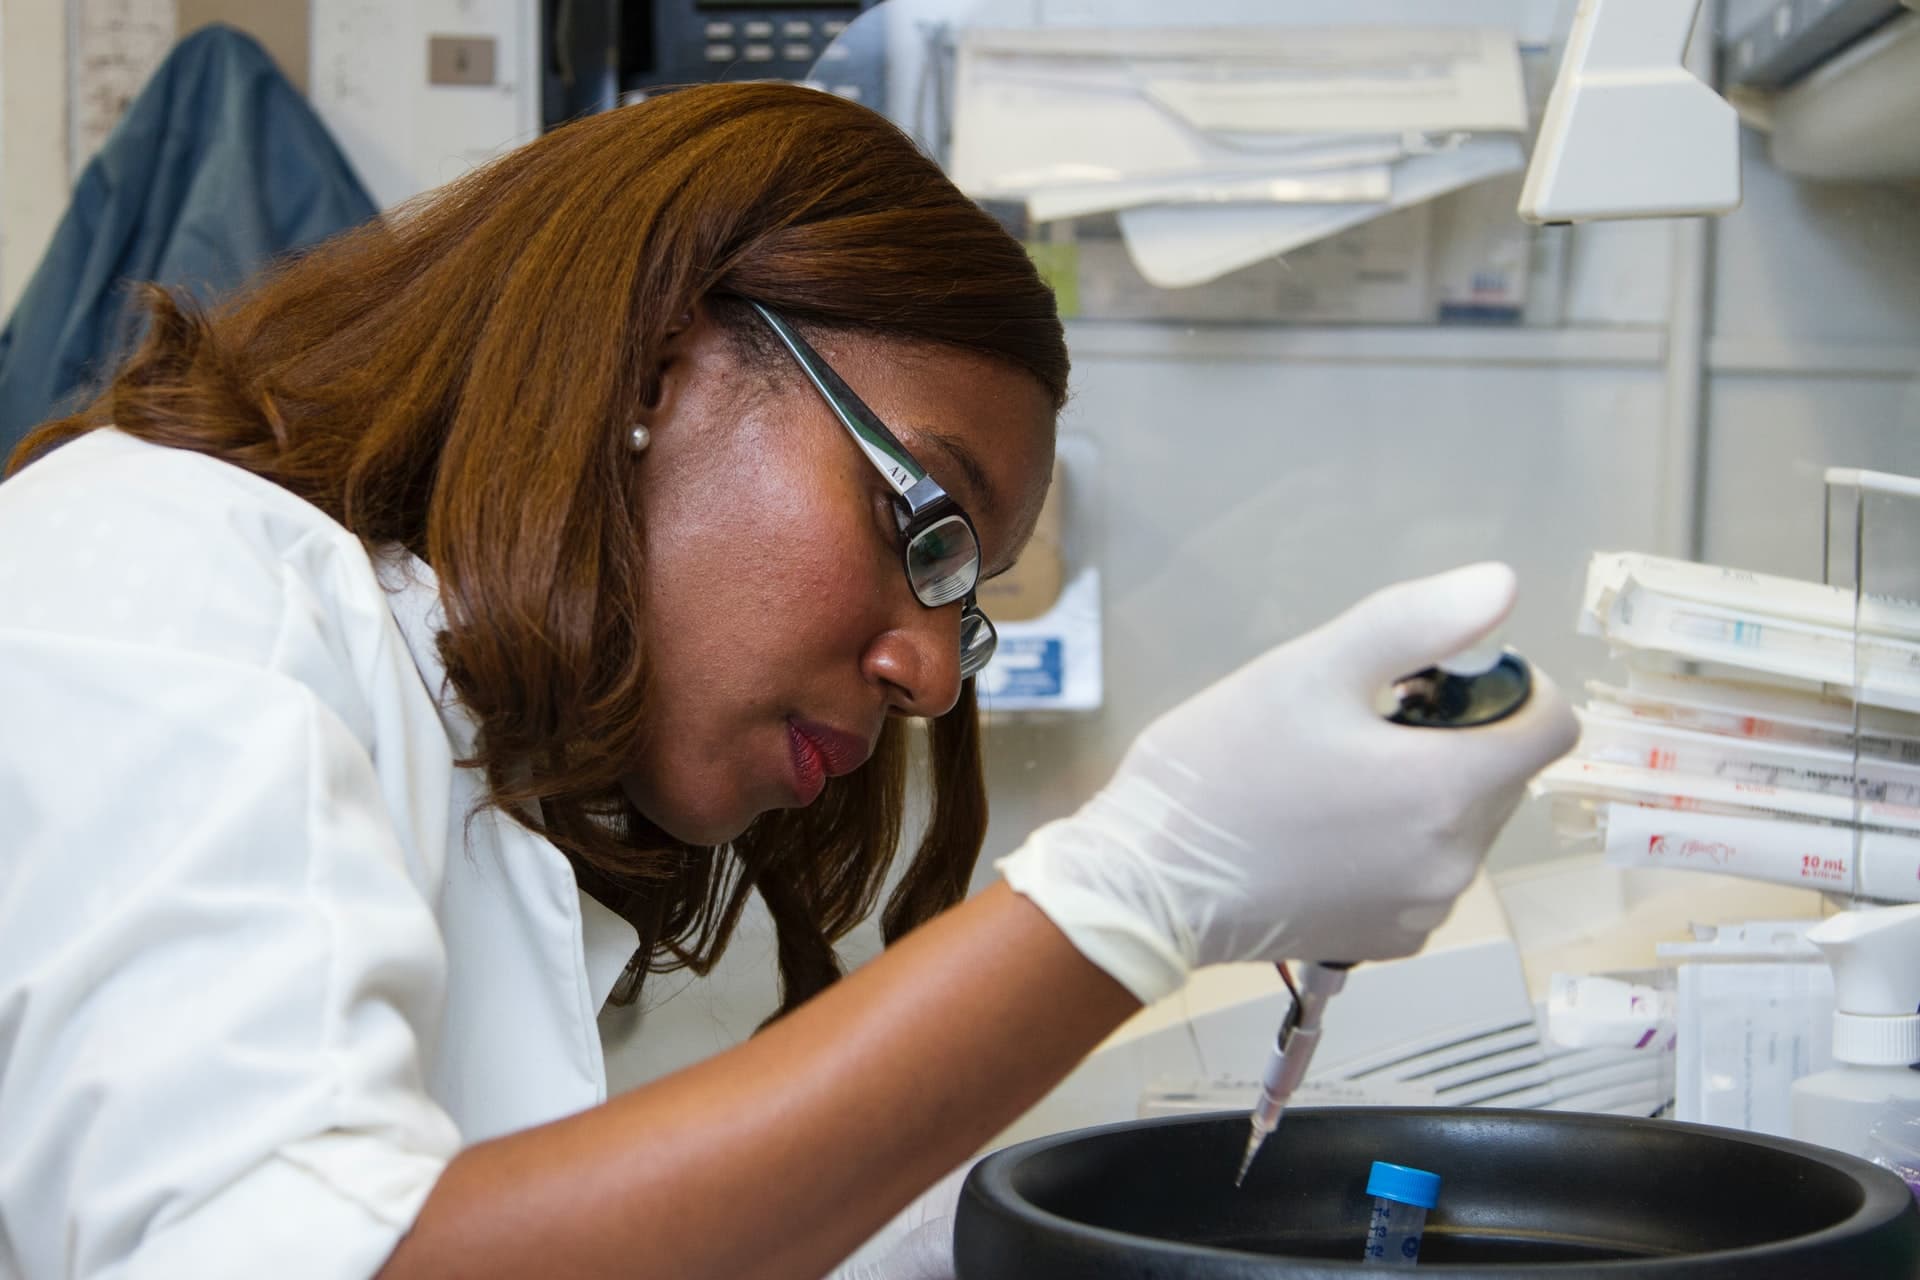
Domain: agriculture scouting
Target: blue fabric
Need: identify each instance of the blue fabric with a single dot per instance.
(218, 167)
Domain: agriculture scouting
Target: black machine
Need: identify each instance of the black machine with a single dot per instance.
(598, 54)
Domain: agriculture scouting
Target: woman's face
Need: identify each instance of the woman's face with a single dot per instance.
(780, 627)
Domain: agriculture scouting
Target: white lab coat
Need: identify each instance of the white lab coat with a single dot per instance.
(260, 977)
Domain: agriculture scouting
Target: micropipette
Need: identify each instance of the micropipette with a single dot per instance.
(1292, 1052)
(1473, 688)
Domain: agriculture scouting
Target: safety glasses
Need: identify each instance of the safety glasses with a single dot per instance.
(939, 548)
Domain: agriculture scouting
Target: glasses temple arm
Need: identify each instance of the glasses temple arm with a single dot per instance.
(880, 445)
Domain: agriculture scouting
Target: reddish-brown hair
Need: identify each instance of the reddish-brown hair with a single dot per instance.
(458, 380)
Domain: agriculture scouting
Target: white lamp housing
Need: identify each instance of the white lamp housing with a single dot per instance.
(1628, 131)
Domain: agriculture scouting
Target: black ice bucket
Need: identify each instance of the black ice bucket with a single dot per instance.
(1523, 1193)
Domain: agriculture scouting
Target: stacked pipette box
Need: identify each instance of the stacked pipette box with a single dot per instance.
(1789, 752)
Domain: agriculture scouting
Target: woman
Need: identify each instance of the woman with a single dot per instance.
(427, 645)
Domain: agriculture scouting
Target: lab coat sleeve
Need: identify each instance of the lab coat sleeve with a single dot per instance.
(219, 964)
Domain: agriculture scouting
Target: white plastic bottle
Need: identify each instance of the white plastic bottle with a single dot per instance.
(1875, 954)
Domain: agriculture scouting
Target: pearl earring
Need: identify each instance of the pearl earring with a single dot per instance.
(638, 439)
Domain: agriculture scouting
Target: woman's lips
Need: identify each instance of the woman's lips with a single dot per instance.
(820, 752)
(844, 751)
(809, 766)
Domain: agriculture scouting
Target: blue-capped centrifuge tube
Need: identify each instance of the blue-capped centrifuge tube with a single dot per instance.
(1401, 1198)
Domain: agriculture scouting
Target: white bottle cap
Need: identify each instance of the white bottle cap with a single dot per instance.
(1876, 1042)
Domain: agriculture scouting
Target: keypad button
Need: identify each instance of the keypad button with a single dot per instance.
(851, 92)
(719, 31)
(832, 27)
(758, 30)
(798, 53)
(797, 29)
(721, 53)
(759, 53)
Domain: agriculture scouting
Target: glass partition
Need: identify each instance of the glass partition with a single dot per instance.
(1317, 350)
(1287, 395)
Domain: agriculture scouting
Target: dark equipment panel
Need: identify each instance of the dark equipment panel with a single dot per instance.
(597, 54)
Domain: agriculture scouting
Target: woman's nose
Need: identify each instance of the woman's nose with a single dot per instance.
(917, 660)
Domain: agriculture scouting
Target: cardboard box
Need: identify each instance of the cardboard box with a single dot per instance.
(1032, 586)
(1047, 608)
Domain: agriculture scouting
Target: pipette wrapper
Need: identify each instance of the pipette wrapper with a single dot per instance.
(1782, 627)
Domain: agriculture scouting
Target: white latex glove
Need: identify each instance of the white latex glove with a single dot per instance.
(1277, 815)
(917, 1244)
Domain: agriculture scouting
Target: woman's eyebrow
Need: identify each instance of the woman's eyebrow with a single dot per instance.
(984, 500)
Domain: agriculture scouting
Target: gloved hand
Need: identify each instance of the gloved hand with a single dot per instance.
(917, 1244)
(1277, 815)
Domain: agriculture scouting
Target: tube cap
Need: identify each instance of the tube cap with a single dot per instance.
(1408, 1186)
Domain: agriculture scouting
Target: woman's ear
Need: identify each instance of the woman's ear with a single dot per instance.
(688, 329)
(673, 351)
(652, 389)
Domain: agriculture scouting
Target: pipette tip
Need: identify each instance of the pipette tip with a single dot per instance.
(1246, 1161)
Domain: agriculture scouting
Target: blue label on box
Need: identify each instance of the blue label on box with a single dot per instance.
(1029, 667)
